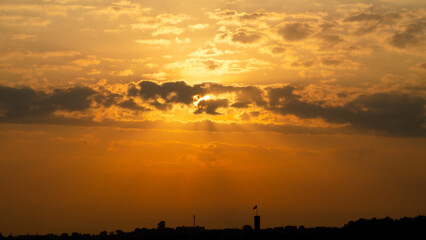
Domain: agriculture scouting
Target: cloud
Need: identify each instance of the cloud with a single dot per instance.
(45, 54)
(26, 104)
(246, 37)
(182, 41)
(164, 42)
(241, 36)
(365, 16)
(258, 19)
(295, 31)
(420, 67)
(303, 64)
(23, 37)
(116, 9)
(161, 76)
(277, 50)
(273, 50)
(167, 30)
(198, 26)
(390, 113)
(160, 22)
(132, 105)
(212, 65)
(207, 66)
(163, 96)
(84, 62)
(249, 95)
(413, 35)
(207, 52)
(172, 18)
(123, 73)
(382, 23)
(210, 106)
(331, 38)
(23, 21)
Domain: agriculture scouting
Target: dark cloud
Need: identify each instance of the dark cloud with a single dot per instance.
(413, 35)
(246, 37)
(255, 114)
(107, 98)
(331, 61)
(371, 21)
(306, 64)
(71, 99)
(363, 16)
(132, 105)
(399, 114)
(385, 113)
(244, 104)
(226, 12)
(251, 16)
(331, 38)
(326, 26)
(360, 17)
(17, 104)
(163, 96)
(366, 29)
(295, 31)
(211, 106)
(212, 65)
(389, 113)
(342, 95)
(26, 105)
(249, 95)
(278, 50)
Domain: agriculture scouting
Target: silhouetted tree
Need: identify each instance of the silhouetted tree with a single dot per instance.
(247, 228)
(161, 225)
(290, 229)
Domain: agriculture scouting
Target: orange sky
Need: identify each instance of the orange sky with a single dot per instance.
(120, 114)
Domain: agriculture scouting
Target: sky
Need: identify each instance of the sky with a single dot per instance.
(118, 114)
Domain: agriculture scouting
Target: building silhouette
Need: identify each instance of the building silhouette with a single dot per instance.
(257, 222)
(256, 219)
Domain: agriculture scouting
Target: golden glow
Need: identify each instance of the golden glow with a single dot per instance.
(315, 112)
(198, 99)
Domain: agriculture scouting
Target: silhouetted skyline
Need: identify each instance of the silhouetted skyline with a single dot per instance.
(365, 228)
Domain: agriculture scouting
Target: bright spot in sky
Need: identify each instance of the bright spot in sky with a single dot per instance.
(197, 99)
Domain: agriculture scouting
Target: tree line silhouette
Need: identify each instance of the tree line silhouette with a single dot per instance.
(403, 228)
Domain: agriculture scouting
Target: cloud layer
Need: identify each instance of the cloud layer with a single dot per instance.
(384, 113)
